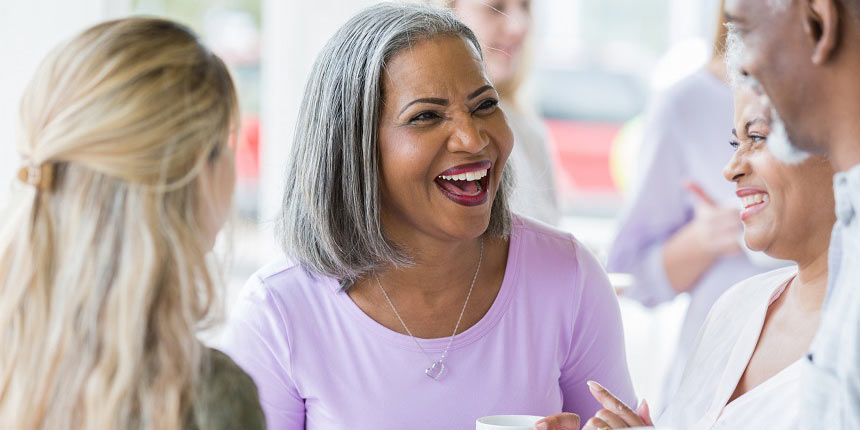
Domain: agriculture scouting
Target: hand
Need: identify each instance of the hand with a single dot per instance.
(716, 228)
(563, 421)
(615, 414)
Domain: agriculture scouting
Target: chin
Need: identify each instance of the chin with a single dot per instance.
(756, 240)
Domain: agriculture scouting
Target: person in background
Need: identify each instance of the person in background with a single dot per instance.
(128, 177)
(804, 55)
(744, 371)
(679, 231)
(504, 27)
(409, 296)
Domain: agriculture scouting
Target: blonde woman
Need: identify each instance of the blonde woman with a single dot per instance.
(127, 178)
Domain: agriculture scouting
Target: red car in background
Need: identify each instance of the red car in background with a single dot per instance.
(584, 110)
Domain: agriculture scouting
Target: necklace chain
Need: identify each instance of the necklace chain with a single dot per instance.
(437, 367)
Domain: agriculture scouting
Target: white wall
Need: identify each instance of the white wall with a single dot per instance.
(293, 34)
(29, 29)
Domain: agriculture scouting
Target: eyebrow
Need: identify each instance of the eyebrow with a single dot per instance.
(445, 102)
(431, 100)
(755, 120)
(729, 17)
(479, 91)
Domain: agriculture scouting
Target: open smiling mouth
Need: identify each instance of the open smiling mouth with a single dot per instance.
(753, 204)
(467, 185)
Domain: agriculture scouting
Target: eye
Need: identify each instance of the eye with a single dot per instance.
(425, 116)
(734, 144)
(757, 138)
(487, 106)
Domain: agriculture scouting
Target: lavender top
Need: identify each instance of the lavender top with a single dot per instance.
(321, 363)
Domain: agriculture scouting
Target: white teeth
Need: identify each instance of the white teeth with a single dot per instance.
(469, 176)
(754, 199)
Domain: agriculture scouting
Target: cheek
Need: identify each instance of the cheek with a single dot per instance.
(404, 160)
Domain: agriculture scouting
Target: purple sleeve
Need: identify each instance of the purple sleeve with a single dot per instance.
(658, 207)
(257, 340)
(597, 348)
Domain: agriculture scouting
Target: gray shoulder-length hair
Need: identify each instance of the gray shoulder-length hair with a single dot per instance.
(330, 219)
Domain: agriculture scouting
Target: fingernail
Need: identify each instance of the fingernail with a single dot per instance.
(593, 385)
(541, 426)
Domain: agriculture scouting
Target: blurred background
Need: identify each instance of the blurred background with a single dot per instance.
(595, 66)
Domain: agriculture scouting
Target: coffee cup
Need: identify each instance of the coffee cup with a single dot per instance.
(507, 422)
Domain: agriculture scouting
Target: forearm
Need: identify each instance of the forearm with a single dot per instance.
(686, 258)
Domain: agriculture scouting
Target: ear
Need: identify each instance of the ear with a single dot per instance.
(821, 23)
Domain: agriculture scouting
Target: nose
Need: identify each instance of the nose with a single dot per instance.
(519, 22)
(468, 136)
(737, 167)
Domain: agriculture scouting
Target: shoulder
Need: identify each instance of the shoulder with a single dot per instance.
(751, 292)
(742, 300)
(274, 301)
(227, 396)
(552, 259)
(694, 94)
(538, 241)
(281, 283)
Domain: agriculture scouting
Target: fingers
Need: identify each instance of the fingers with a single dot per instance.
(644, 412)
(563, 421)
(596, 424)
(612, 419)
(612, 404)
(700, 193)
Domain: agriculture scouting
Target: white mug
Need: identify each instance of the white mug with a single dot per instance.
(507, 422)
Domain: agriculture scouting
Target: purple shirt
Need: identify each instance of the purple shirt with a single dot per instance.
(321, 363)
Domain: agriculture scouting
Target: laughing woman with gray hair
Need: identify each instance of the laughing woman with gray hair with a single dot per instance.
(409, 296)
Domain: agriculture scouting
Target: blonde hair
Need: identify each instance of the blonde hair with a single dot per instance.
(103, 276)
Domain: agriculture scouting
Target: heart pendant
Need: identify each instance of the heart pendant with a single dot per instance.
(436, 370)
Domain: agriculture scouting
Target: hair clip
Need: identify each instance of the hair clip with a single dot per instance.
(41, 176)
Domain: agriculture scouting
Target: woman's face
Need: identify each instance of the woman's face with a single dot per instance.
(443, 142)
(217, 183)
(783, 205)
(502, 27)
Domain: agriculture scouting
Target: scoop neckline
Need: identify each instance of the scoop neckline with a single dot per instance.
(464, 338)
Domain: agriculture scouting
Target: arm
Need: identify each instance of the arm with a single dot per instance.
(711, 234)
(256, 339)
(665, 241)
(597, 348)
(656, 208)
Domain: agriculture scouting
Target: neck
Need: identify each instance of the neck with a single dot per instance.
(845, 152)
(810, 286)
(439, 267)
(844, 137)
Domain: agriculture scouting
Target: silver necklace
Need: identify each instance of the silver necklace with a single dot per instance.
(437, 367)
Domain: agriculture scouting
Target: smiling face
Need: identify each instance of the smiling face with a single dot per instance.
(783, 205)
(502, 27)
(443, 142)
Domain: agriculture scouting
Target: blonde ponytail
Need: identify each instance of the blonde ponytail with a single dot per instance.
(103, 275)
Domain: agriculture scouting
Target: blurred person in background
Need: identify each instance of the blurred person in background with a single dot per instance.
(744, 371)
(409, 296)
(504, 29)
(679, 231)
(104, 278)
